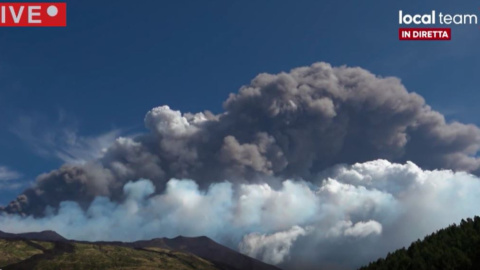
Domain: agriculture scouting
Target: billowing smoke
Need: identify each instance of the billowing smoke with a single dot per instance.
(345, 218)
(288, 125)
(271, 248)
(265, 177)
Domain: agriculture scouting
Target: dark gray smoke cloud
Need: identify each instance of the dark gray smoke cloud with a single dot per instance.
(288, 125)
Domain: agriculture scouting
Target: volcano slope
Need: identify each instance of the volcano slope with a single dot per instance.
(49, 250)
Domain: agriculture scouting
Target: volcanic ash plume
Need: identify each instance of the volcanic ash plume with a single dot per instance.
(288, 125)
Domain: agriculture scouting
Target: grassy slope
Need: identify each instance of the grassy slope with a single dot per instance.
(92, 256)
(13, 251)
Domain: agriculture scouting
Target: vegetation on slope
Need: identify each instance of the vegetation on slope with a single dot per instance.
(20, 254)
(455, 247)
(14, 251)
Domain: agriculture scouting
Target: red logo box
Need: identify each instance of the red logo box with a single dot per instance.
(424, 34)
(33, 14)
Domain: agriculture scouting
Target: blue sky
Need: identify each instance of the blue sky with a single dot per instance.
(65, 91)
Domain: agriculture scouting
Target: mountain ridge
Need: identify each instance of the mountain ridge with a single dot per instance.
(47, 235)
(221, 257)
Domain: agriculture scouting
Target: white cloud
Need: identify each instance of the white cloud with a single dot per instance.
(6, 174)
(61, 140)
(354, 214)
(359, 229)
(363, 229)
(271, 248)
(80, 149)
(6, 178)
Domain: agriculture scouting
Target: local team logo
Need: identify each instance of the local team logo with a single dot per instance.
(432, 18)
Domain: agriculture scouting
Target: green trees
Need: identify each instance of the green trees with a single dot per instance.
(455, 247)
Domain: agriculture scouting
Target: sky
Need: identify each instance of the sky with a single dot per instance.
(114, 62)
(67, 93)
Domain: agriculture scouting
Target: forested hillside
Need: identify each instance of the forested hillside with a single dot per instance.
(455, 247)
